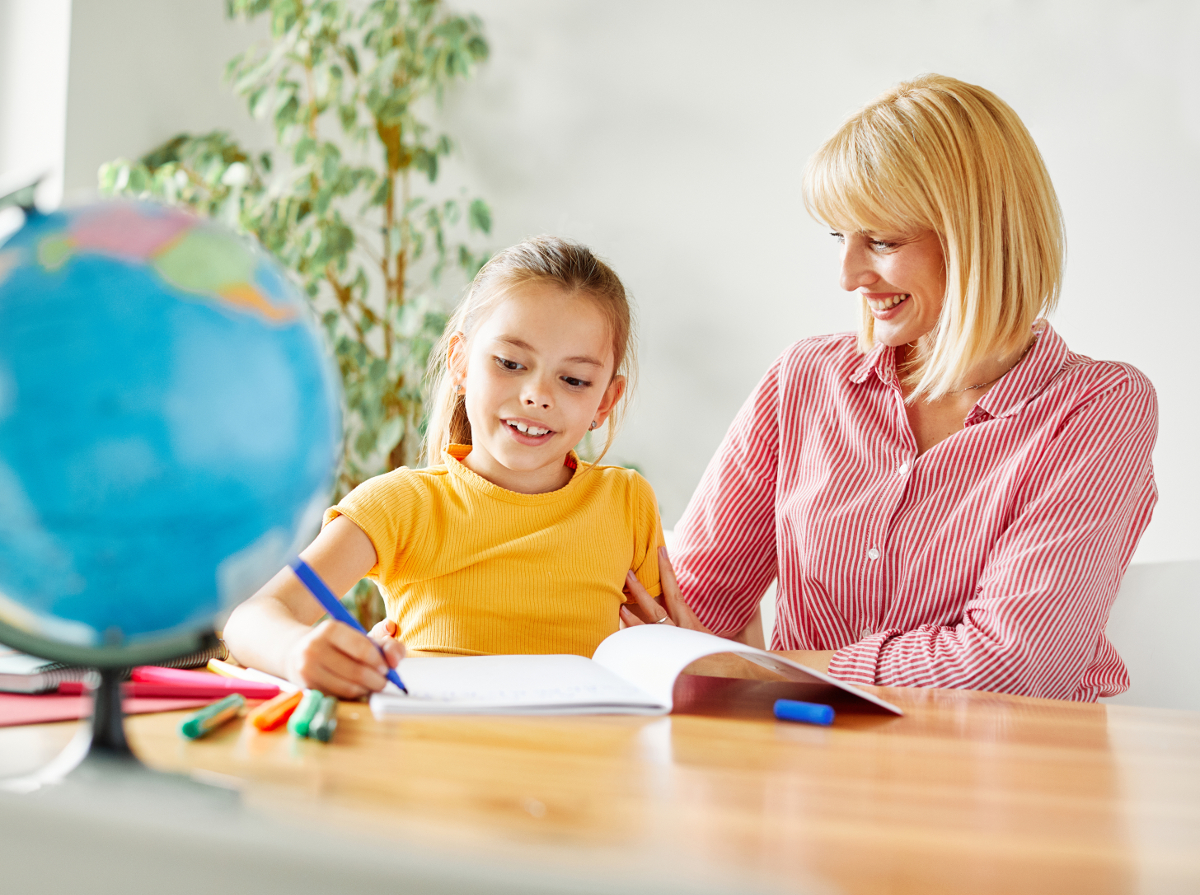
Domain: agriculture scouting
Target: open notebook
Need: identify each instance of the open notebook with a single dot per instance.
(633, 672)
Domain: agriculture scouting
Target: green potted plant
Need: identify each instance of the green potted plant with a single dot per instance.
(345, 198)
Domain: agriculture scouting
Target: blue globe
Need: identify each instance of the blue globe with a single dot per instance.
(169, 430)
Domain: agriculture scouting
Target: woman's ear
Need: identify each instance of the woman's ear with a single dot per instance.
(456, 358)
(612, 395)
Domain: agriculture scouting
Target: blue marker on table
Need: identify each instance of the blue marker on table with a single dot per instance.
(334, 607)
(805, 712)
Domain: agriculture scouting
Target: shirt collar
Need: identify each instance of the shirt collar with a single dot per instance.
(1028, 378)
(881, 360)
(1016, 388)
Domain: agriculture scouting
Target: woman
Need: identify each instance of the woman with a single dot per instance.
(950, 497)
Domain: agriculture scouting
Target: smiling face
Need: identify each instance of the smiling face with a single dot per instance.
(902, 279)
(537, 371)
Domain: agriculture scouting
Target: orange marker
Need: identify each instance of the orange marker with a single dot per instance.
(271, 714)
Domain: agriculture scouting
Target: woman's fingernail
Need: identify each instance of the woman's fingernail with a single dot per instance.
(629, 576)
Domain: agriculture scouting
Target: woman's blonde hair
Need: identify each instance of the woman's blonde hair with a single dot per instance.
(935, 153)
(541, 259)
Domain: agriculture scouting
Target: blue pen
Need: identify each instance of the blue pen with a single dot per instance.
(334, 607)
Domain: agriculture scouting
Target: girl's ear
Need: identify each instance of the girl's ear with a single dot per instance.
(612, 395)
(456, 358)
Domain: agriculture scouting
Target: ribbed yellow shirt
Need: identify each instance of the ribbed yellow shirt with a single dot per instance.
(469, 568)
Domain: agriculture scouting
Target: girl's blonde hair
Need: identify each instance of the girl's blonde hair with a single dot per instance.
(935, 153)
(541, 259)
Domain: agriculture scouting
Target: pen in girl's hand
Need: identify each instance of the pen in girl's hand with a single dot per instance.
(334, 607)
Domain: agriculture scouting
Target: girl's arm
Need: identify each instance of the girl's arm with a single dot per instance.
(273, 630)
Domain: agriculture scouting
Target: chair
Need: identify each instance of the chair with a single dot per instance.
(1153, 625)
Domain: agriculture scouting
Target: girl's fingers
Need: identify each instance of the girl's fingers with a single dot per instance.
(351, 669)
(629, 618)
(356, 646)
(393, 652)
(652, 611)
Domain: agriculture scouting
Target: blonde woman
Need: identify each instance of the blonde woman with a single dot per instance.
(949, 497)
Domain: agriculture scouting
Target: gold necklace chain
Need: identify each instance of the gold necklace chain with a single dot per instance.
(971, 388)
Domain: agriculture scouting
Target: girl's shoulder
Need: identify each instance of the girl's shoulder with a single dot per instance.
(399, 484)
(625, 480)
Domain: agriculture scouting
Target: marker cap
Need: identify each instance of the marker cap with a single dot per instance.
(804, 712)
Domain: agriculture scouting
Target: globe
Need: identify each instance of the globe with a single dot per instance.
(169, 429)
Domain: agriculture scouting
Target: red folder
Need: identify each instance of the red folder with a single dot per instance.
(150, 681)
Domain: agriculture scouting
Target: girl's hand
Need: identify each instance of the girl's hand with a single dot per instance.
(650, 611)
(339, 661)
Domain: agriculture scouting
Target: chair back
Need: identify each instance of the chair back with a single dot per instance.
(1154, 625)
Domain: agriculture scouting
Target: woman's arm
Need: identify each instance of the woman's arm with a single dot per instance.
(273, 630)
(724, 554)
(676, 611)
(1036, 622)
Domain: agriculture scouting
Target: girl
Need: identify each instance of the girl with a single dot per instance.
(508, 544)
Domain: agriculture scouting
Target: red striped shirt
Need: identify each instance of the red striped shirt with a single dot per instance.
(989, 562)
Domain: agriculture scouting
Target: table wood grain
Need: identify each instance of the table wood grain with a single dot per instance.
(968, 792)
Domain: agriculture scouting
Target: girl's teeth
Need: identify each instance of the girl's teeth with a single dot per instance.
(529, 430)
(889, 302)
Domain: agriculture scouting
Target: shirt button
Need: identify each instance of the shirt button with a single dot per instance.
(872, 554)
(866, 632)
(903, 469)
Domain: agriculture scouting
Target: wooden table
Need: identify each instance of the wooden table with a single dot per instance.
(969, 792)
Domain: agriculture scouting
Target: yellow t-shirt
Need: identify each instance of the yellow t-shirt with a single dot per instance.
(469, 568)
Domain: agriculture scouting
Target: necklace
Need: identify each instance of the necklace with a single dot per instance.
(971, 388)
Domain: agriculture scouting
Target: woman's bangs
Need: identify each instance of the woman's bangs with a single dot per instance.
(843, 190)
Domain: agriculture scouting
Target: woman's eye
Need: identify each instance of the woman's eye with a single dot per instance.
(839, 237)
(576, 383)
(880, 246)
(506, 364)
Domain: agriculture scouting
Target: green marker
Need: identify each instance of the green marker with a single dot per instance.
(324, 722)
(301, 719)
(213, 716)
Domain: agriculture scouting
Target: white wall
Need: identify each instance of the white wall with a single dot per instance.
(34, 41)
(144, 70)
(671, 136)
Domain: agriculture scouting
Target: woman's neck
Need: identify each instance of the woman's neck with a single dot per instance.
(978, 379)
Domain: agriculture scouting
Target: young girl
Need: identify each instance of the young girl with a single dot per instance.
(509, 544)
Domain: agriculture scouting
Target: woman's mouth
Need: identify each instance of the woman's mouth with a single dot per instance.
(886, 302)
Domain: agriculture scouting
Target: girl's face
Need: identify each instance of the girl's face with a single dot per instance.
(901, 277)
(537, 372)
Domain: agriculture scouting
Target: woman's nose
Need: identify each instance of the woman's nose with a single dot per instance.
(856, 266)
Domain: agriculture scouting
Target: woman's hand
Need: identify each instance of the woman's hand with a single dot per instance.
(650, 611)
(339, 661)
(384, 632)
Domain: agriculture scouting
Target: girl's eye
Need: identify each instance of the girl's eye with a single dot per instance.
(838, 236)
(505, 364)
(880, 246)
(575, 383)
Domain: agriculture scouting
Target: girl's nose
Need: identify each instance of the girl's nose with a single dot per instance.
(537, 393)
(856, 265)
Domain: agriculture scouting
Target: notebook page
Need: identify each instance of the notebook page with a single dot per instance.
(511, 685)
(653, 656)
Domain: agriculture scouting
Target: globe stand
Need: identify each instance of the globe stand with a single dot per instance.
(108, 719)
